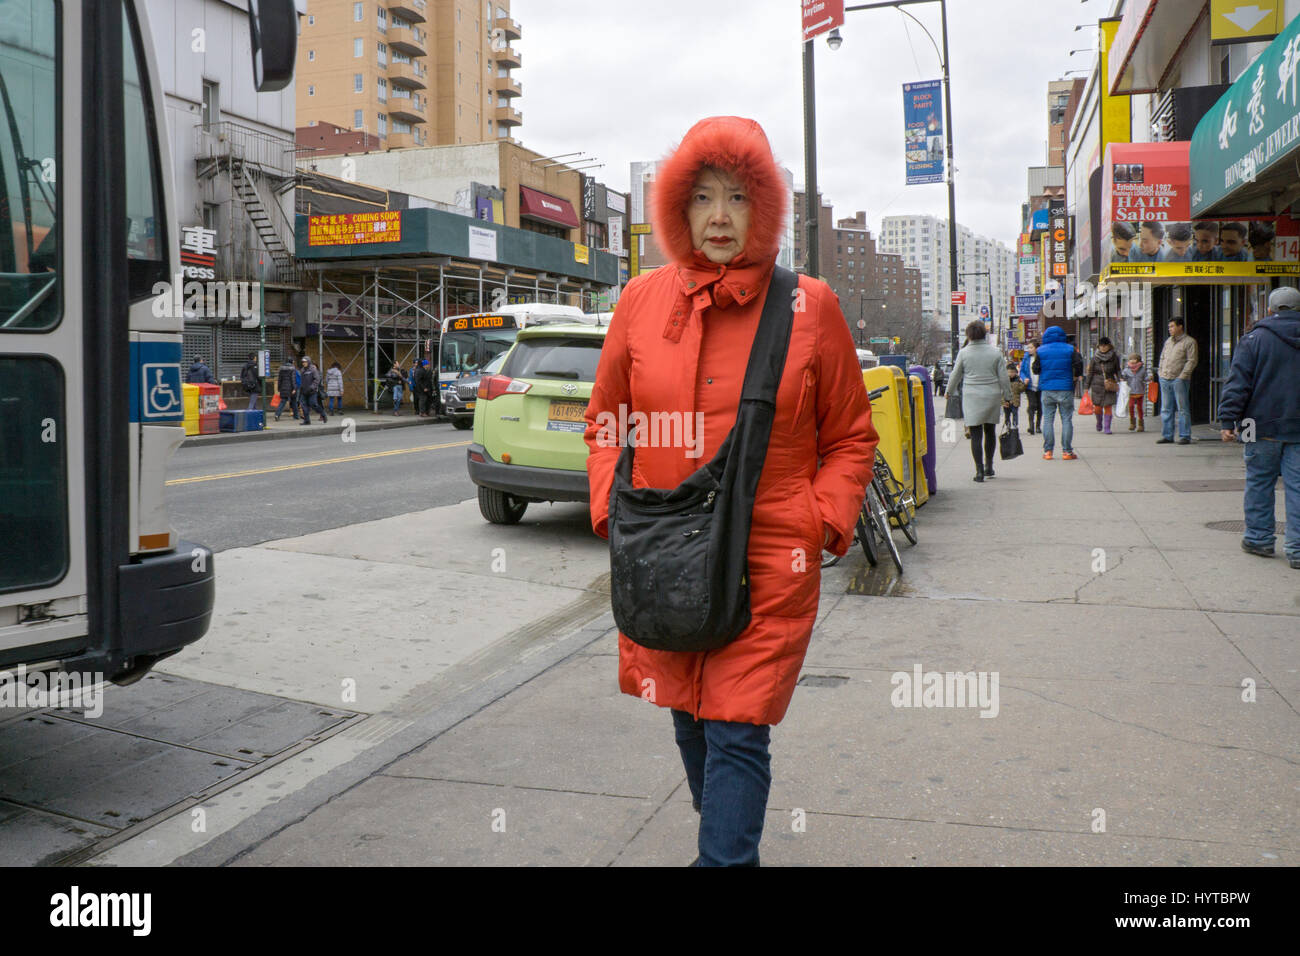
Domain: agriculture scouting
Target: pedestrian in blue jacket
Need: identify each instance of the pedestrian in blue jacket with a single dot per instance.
(1261, 403)
(1032, 389)
(1058, 365)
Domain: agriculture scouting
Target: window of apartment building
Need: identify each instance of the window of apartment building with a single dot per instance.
(382, 20)
(211, 102)
(400, 126)
(383, 54)
(358, 12)
(311, 21)
(476, 119)
(381, 84)
(311, 90)
(358, 47)
(358, 119)
(358, 83)
(458, 79)
(311, 55)
(383, 124)
(458, 42)
(476, 57)
(850, 250)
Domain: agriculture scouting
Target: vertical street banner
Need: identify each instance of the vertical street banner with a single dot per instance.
(923, 142)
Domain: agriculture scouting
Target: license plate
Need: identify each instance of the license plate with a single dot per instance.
(568, 411)
(469, 406)
(567, 417)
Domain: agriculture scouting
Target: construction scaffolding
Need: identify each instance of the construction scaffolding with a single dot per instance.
(371, 314)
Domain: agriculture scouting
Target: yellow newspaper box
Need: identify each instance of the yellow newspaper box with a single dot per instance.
(892, 418)
(191, 408)
(920, 487)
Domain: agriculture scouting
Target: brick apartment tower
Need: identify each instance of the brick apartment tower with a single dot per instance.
(411, 72)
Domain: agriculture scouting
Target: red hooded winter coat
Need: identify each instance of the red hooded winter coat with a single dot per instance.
(679, 342)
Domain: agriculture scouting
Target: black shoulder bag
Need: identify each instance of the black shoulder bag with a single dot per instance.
(678, 564)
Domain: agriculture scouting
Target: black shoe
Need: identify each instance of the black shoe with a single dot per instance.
(1259, 550)
(1184, 441)
(1164, 441)
(1295, 562)
(988, 471)
(979, 476)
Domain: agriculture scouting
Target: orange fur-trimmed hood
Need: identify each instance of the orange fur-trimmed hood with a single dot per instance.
(740, 147)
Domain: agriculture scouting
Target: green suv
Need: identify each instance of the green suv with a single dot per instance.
(529, 420)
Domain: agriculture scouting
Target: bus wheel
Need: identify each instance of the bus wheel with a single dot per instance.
(463, 424)
(499, 507)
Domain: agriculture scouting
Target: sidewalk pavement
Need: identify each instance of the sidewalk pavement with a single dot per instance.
(364, 420)
(1147, 711)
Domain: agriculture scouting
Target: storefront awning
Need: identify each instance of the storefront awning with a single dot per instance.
(534, 204)
(1245, 148)
(1149, 37)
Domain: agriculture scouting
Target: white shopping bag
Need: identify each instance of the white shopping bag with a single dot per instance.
(1121, 401)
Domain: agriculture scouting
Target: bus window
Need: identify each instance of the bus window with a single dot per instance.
(146, 227)
(33, 479)
(30, 286)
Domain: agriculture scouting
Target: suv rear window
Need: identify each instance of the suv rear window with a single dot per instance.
(572, 359)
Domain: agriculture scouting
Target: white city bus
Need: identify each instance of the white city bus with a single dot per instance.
(93, 579)
(467, 343)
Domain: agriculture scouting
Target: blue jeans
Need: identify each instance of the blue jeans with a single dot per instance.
(334, 403)
(287, 401)
(728, 769)
(397, 397)
(1174, 393)
(1063, 402)
(1265, 461)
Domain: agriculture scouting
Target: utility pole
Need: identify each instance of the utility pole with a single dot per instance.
(812, 258)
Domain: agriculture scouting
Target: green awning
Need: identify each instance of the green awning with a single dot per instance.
(1244, 149)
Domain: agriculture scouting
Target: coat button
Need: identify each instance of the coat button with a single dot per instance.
(709, 381)
(744, 292)
(674, 321)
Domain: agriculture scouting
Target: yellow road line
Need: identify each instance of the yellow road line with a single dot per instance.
(315, 464)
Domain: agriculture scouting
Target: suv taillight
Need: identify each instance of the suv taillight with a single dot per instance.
(494, 386)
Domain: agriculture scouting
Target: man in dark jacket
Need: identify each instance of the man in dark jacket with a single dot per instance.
(199, 373)
(286, 385)
(424, 389)
(1058, 366)
(309, 392)
(1262, 402)
(251, 380)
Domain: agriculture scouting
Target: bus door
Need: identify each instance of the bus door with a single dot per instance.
(43, 574)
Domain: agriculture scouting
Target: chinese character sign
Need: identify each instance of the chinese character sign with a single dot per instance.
(353, 229)
(923, 141)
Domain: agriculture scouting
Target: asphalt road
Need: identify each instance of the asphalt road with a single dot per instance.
(235, 495)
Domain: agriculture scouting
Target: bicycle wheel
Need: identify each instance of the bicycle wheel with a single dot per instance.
(866, 534)
(875, 496)
(899, 502)
(829, 559)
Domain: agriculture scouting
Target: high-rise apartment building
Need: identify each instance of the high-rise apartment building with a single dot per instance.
(411, 72)
(987, 267)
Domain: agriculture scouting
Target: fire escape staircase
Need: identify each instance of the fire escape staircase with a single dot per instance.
(246, 189)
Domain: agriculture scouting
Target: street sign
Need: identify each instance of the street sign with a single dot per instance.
(959, 298)
(862, 323)
(879, 340)
(1028, 304)
(639, 229)
(984, 312)
(820, 16)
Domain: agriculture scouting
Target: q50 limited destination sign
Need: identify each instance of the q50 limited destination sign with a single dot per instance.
(355, 228)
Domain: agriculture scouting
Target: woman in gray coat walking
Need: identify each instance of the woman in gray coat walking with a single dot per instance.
(981, 374)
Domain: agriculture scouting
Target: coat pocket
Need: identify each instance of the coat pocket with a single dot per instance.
(818, 522)
(807, 396)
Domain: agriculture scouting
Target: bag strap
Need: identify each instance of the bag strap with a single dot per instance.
(772, 340)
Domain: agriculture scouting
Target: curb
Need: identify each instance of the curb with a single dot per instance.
(227, 438)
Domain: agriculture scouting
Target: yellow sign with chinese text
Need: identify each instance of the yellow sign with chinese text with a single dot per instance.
(581, 253)
(355, 228)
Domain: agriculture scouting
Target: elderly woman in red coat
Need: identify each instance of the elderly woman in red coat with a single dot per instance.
(679, 342)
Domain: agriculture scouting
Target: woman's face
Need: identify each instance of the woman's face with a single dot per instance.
(719, 215)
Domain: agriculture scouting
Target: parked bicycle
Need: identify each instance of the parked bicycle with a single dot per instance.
(886, 504)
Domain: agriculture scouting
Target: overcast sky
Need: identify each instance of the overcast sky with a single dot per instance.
(623, 80)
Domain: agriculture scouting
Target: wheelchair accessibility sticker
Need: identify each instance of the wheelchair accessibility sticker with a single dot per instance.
(157, 395)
